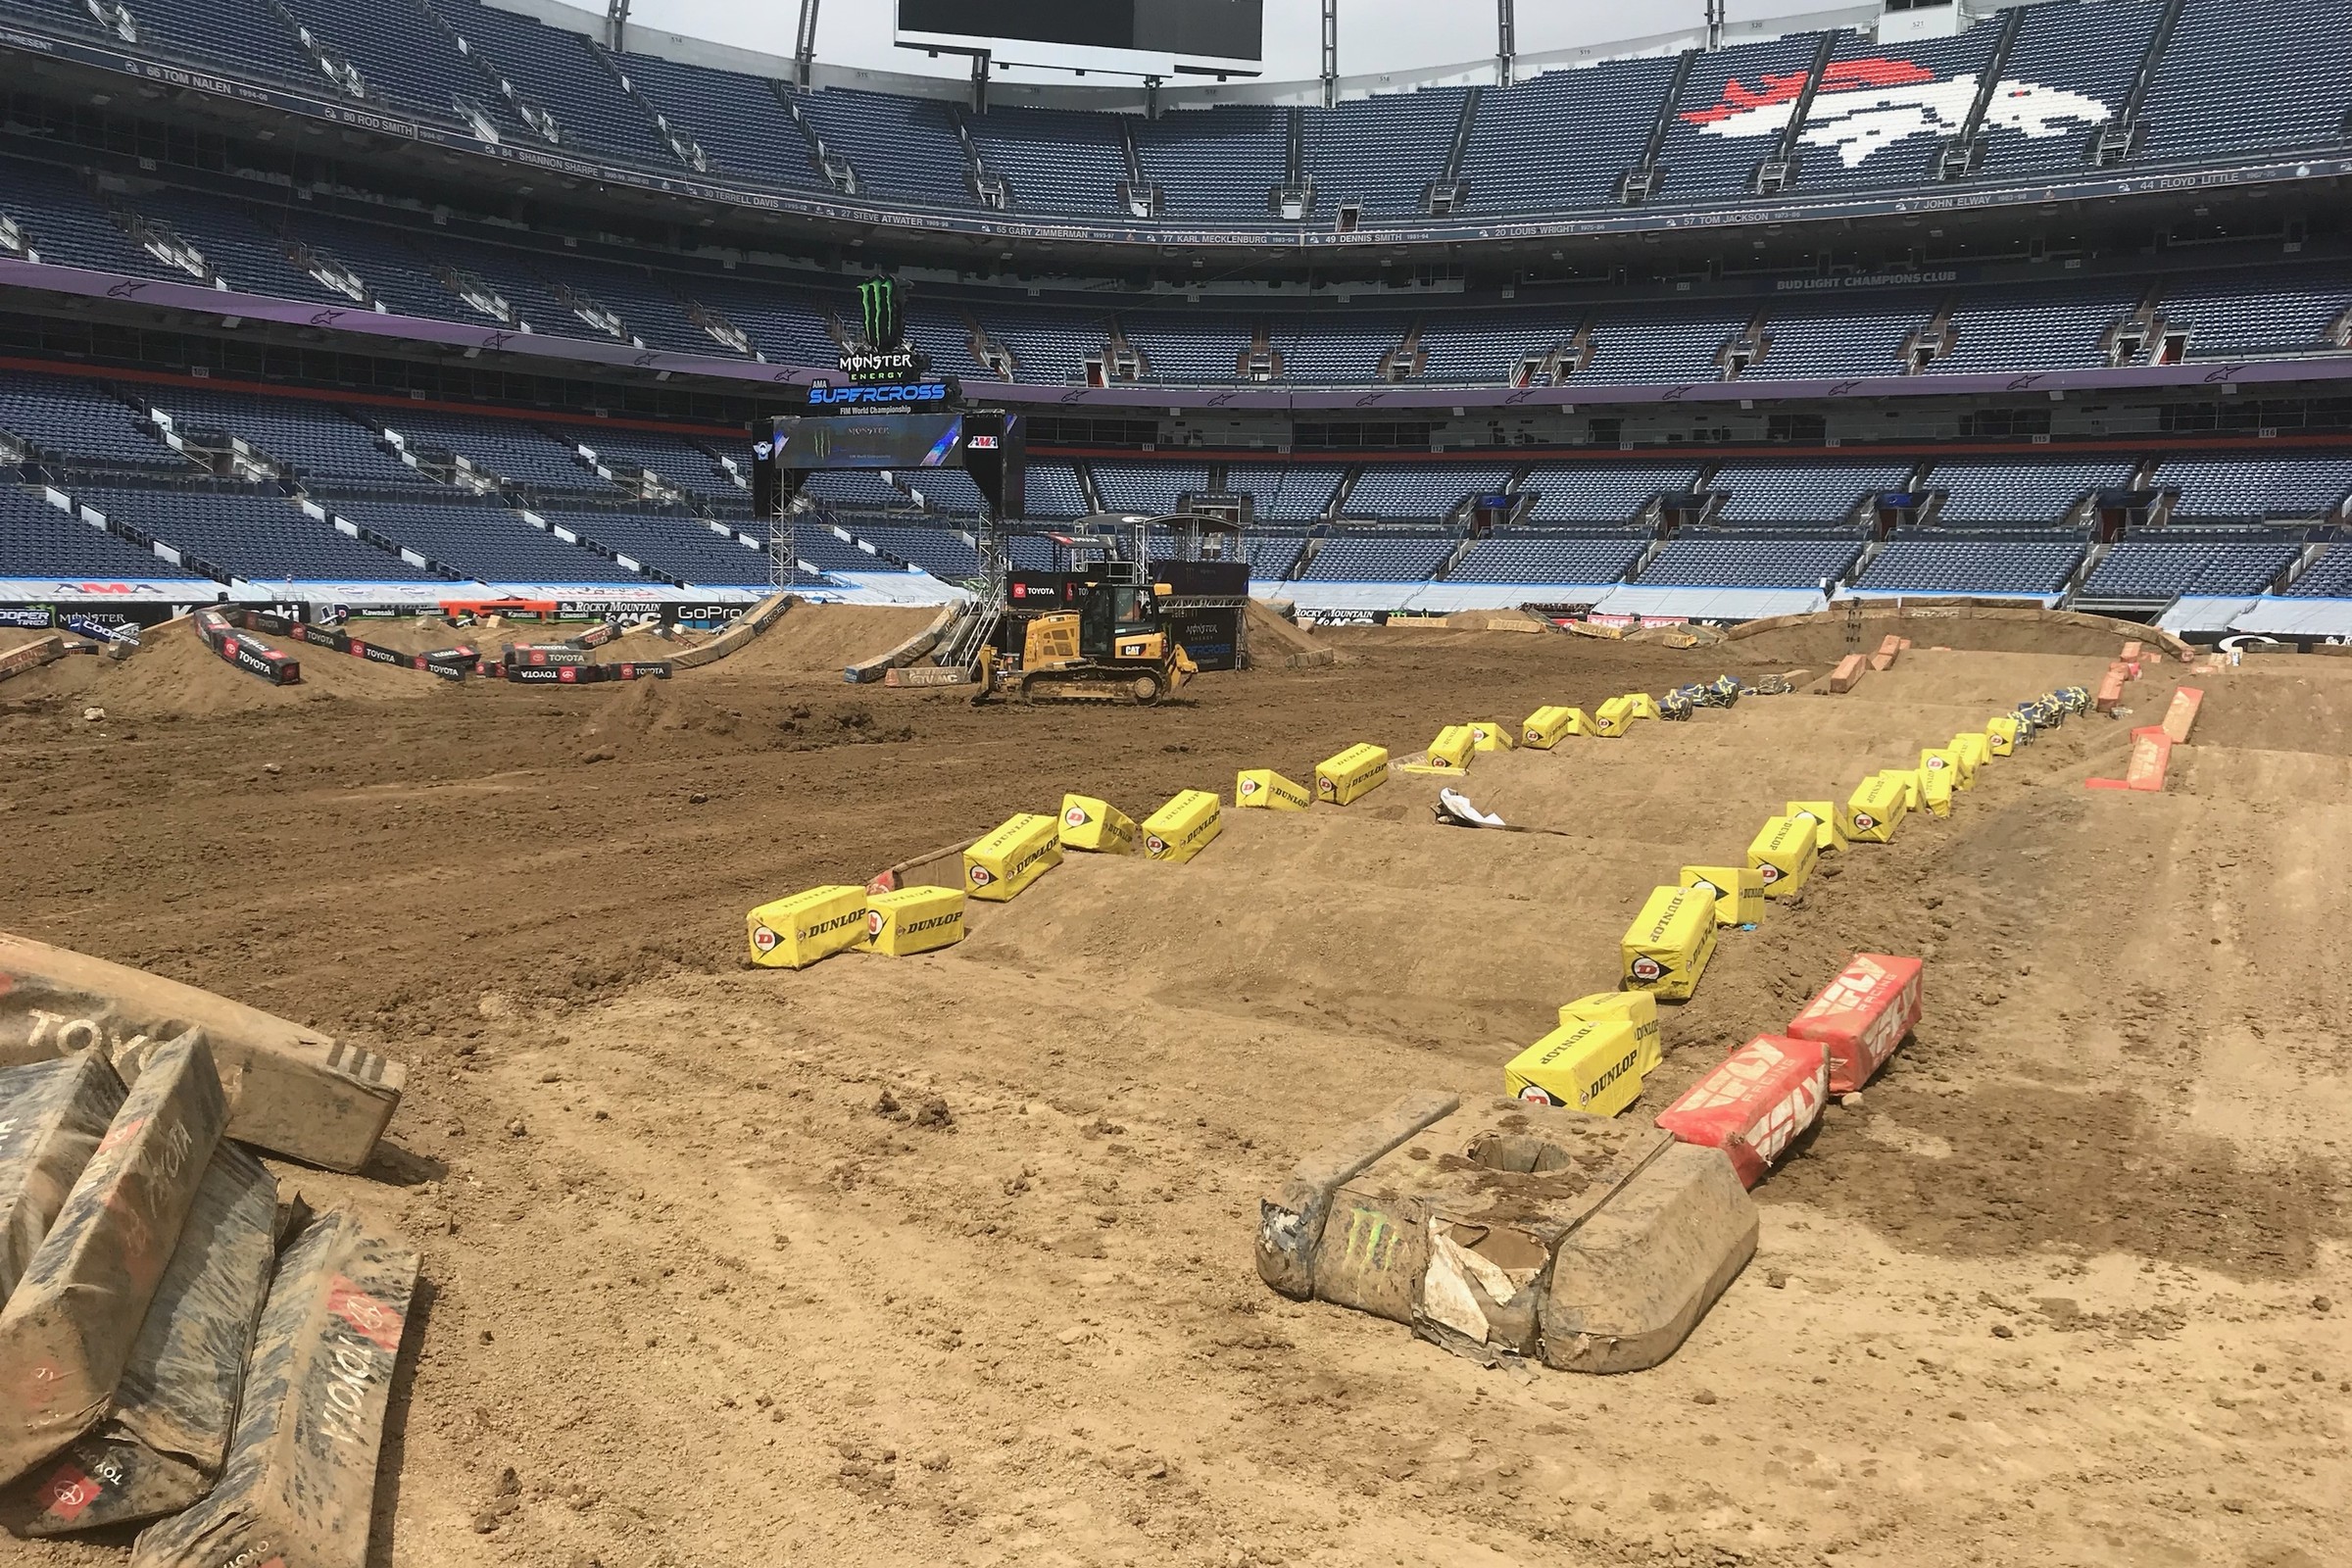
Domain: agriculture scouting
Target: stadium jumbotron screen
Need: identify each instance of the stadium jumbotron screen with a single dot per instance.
(1204, 34)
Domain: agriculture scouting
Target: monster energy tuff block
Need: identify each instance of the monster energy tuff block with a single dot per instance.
(300, 1484)
(1095, 826)
(67, 1333)
(1184, 827)
(1667, 947)
(1015, 853)
(1351, 774)
(166, 1437)
(1636, 1007)
(794, 933)
(1267, 790)
(52, 1115)
(913, 920)
(291, 1090)
(1593, 1065)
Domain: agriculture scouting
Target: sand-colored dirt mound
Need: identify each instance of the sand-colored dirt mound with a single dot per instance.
(174, 673)
(1800, 639)
(817, 642)
(1273, 636)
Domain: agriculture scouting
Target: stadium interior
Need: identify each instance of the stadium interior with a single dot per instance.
(2052, 307)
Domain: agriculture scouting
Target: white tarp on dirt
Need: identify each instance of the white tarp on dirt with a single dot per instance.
(2201, 614)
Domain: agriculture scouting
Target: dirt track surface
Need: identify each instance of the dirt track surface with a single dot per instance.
(2066, 1286)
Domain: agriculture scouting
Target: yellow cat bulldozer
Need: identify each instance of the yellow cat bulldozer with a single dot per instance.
(1113, 646)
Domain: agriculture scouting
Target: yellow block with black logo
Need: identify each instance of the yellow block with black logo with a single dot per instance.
(794, 933)
(1784, 854)
(1644, 705)
(910, 920)
(1452, 746)
(1095, 826)
(2000, 733)
(1268, 790)
(1352, 774)
(1614, 716)
(1636, 1007)
(1908, 778)
(1974, 749)
(1546, 727)
(1824, 813)
(1877, 809)
(1936, 786)
(1939, 759)
(1591, 1064)
(1738, 891)
(1667, 947)
(1488, 736)
(1014, 855)
(1184, 827)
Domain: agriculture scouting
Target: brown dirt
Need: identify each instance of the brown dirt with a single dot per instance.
(1271, 634)
(2049, 1293)
(815, 643)
(174, 675)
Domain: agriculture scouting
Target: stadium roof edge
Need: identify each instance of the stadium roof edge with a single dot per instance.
(1018, 93)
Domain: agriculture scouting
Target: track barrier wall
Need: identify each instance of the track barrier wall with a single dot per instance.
(1759, 1102)
(1665, 950)
(1863, 1015)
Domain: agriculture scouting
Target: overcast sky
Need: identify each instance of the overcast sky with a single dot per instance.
(1374, 35)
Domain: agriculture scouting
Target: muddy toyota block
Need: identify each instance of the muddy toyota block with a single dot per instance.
(52, 1116)
(166, 1437)
(1459, 1226)
(291, 1090)
(1635, 1279)
(67, 1333)
(300, 1486)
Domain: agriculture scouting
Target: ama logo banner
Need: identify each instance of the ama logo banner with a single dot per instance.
(1866, 106)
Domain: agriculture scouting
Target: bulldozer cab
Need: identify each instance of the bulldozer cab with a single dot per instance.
(1112, 611)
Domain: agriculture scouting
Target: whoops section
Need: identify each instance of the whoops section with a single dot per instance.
(1013, 856)
(1184, 827)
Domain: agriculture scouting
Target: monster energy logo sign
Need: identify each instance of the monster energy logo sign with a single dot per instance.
(878, 304)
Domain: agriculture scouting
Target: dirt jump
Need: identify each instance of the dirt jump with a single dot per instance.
(950, 1258)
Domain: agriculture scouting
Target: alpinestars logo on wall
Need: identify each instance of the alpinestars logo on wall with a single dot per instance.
(1865, 107)
(882, 353)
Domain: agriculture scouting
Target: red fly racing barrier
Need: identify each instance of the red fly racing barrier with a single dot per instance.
(1862, 1016)
(1755, 1105)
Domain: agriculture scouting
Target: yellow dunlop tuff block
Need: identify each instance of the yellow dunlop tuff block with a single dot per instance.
(1095, 826)
(1546, 727)
(1936, 789)
(1784, 854)
(1738, 891)
(1593, 1065)
(2000, 733)
(911, 920)
(794, 933)
(1975, 750)
(1824, 813)
(1908, 778)
(1453, 746)
(1488, 736)
(1614, 716)
(1940, 759)
(1644, 705)
(1875, 810)
(1636, 1007)
(1184, 827)
(1667, 947)
(1268, 790)
(1353, 773)
(1013, 856)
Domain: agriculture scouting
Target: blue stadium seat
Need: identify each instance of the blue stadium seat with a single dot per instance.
(1549, 558)
(1744, 562)
(1402, 493)
(1962, 564)
(254, 533)
(37, 540)
(1379, 558)
(1998, 492)
(2154, 566)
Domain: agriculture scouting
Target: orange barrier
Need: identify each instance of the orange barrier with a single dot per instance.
(2182, 717)
(2111, 690)
(2151, 758)
(1755, 1105)
(1848, 674)
(1862, 1015)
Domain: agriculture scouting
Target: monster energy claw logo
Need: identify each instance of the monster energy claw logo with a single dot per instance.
(878, 299)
